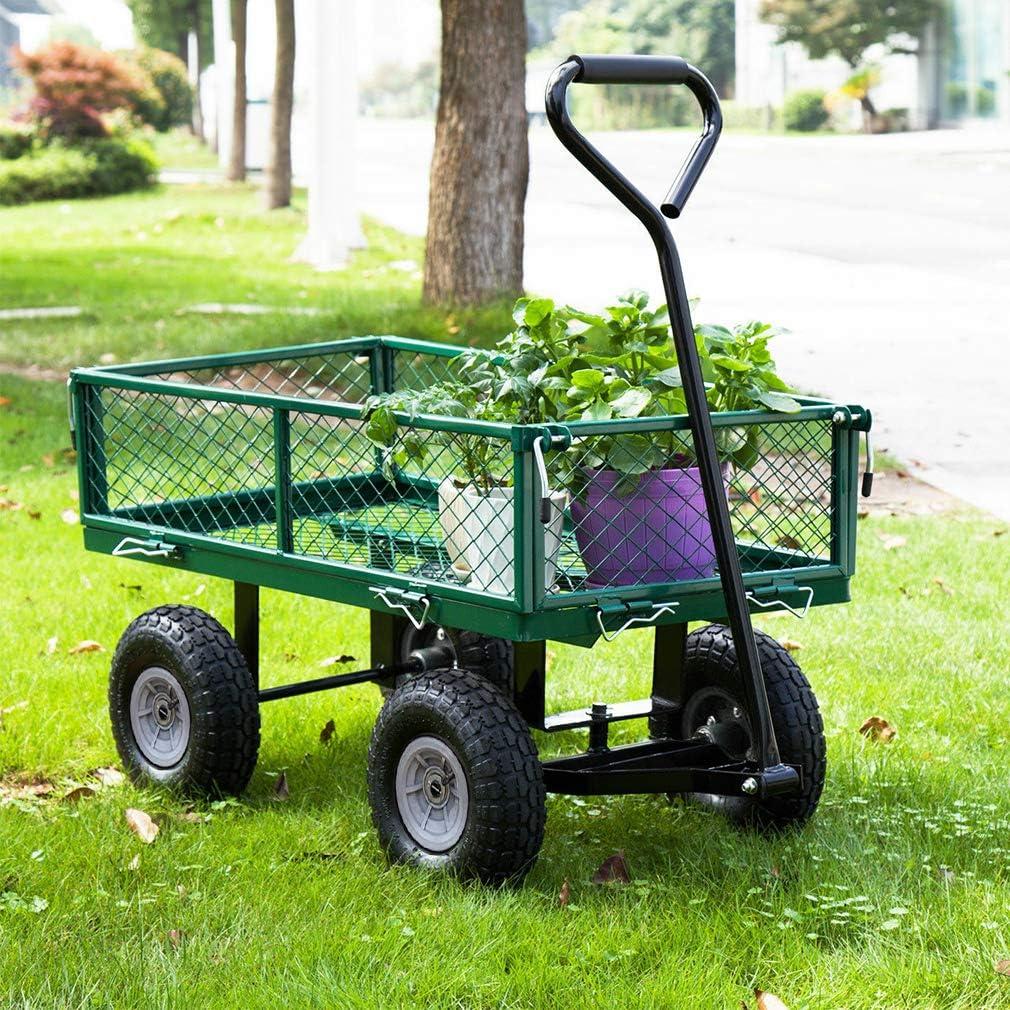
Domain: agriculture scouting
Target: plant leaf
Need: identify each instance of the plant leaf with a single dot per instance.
(779, 402)
(632, 402)
(766, 1001)
(878, 729)
(88, 645)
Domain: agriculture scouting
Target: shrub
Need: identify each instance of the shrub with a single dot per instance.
(94, 168)
(15, 140)
(171, 82)
(805, 111)
(53, 173)
(75, 84)
(121, 165)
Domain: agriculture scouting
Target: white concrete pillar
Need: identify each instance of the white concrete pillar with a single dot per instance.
(224, 78)
(327, 43)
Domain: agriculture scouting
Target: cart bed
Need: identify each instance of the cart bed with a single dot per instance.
(256, 466)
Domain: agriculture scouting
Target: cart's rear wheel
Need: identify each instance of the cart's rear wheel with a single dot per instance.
(713, 708)
(488, 657)
(183, 703)
(454, 781)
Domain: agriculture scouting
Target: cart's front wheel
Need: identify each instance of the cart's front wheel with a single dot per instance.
(183, 703)
(454, 780)
(713, 708)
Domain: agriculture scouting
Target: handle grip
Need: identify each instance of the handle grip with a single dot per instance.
(635, 70)
(632, 69)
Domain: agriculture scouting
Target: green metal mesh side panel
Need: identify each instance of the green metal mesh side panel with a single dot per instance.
(652, 527)
(312, 485)
(331, 376)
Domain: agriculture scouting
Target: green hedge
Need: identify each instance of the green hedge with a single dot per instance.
(94, 168)
(15, 141)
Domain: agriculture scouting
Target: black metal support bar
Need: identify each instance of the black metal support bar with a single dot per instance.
(717, 506)
(247, 625)
(581, 718)
(530, 661)
(684, 766)
(321, 684)
(667, 680)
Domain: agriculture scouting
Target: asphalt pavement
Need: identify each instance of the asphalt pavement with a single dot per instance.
(887, 258)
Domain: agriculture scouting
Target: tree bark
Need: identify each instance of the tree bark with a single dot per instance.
(480, 165)
(278, 179)
(236, 160)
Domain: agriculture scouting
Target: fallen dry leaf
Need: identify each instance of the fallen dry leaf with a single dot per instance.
(4, 400)
(1003, 967)
(998, 533)
(134, 864)
(892, 543)
(766, 1001)
(175, 937)
(7, 505)
(51, 644)
(141, 825)
(70, 517)
(789, 645)
(86, 646)
(34, 514)
(876, 728)
(326, 733)
(613, 870)
(337, 660)
(565, 894)
(281, 790)
(49, 460)
(755, 495)
(17, 789)
(13, 708)
(78, 794)
(791, 543)
(943, 586)
(109, 776)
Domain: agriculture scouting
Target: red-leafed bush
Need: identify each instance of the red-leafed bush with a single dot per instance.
(75, 85)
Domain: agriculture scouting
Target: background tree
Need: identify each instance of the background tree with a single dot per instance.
(236, 158)
(278, 176)
(848, 28)
(480, 165)
(166, 24)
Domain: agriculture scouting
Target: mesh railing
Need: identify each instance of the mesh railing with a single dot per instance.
(441, 505)
(636, 510)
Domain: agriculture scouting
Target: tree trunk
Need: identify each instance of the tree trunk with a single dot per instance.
(869, 113)
(236, 161)
(278, 181)
(480, 165)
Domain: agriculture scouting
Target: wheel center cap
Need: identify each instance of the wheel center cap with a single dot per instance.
(436, 788)
(164, 710)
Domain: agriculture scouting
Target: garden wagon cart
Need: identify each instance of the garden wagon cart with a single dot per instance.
(255, 467)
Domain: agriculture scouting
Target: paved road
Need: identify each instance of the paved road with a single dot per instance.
(888, 258)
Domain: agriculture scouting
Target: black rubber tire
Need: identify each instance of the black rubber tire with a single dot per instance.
(491, 658)
(504, 827)
(221, 693)
(710, 660)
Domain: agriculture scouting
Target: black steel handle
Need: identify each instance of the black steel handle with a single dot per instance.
(632, 69)
(635, 70)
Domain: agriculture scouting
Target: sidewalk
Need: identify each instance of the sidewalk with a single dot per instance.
(888, 259)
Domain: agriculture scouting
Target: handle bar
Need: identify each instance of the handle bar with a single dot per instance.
(635, 70)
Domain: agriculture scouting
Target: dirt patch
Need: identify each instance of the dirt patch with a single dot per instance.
(36, 372)
(898, 493)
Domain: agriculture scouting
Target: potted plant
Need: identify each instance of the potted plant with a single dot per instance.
(476, 501)
(637, 500)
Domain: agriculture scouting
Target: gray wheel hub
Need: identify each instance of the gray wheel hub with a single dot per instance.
(160, 717)
(432, 795)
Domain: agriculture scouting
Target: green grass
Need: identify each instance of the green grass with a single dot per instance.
(179, 150)
(290, 904)
(133, 262)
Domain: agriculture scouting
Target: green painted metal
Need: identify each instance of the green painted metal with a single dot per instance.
(201, 525)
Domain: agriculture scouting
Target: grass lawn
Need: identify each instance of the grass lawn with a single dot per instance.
(893, 897)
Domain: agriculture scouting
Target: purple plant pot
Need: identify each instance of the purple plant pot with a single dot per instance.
(659, 532)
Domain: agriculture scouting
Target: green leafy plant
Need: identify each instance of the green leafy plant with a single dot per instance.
(562, 365)
(805, 110)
